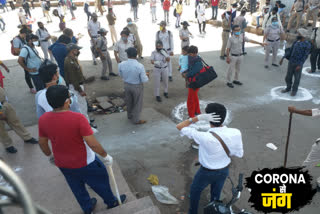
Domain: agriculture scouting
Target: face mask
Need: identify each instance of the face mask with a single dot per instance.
(35, 43)
(158, 49)
(275, 24)
(280, 10)
(237, 33)
(124, 38)
(129, 23)
(161, 28)
(299, 37)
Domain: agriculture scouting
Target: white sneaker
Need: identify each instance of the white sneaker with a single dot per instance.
(195, 146)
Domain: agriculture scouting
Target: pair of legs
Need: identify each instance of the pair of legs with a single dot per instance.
(178, 20)
(153, 12)
(27, 11)
(71, 11)
(159, 74)
(193, 105)
(225, 37)
(2, 24)
(234, 67)
(94, 175)
(166, 16)
(258, 20)
(314, 14)
(113, 34)
(315, 59)
(36, 81)
(203, 28)
(292, 72)
(47, 15)
(214, 12)
(88, 15)
(106, 63)
(201, 180)
(134, 101)
(274, 46)
(44, 46)
(297, 17)
(135, 13)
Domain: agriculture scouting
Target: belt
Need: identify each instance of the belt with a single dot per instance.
(45, 40)
(185, 40)
(94, 37)
(103, 50)
(226, 31)
(160, 67)
(273, 40)
(169, 49)
(236, 54)
(213, 169)
(298, 11)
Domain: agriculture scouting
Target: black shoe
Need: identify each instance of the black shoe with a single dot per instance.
(141, 57)
(230, 85)
(170, 79)
(104, 78)
(293, 93)
(285, 90)
(94, 203)
(113, 74)
(275, 65)
(244, 53)
(92, 109)
(266, 66)
(116, 203)
(94, 63)
(31, 141)
(11, 150)
(92, 120)
(158, 98)
(93, 125)
(237, 82)
(165, 95)
(222, 58)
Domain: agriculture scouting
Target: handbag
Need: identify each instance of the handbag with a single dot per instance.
(203, 77)
(175, 12)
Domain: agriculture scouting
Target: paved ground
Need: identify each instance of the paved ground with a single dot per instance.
(262, 118)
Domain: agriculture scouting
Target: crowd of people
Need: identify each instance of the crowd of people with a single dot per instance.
(59, 82)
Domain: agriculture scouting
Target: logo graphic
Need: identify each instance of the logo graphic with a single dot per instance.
(280, 189)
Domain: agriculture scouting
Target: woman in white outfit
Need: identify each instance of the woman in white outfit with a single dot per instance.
(201, 16)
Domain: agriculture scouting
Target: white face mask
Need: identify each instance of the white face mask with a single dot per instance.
(35, 43)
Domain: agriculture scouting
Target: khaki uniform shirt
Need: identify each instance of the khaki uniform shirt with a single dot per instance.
(102, 43)
(273, 33)
(121, 48)
(185, 34)
(156, 56)
(225, 24)
(73, 73)
(298, 6)
(240, 20)
(235, 44)
(314, 4)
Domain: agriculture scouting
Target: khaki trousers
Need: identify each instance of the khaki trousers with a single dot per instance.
(157, 75)
(274, 46)
(314, 14)
(113, 34)
(295, 16)
(234, 67)
(134, 101)
(14, 123)
(47, 15)
(225, 37)
(106, 63)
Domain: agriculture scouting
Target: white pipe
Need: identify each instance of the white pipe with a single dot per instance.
(114, 184)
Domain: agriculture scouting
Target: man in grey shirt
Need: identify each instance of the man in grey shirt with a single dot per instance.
(133, 74)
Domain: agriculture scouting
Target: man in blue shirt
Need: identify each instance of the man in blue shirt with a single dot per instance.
(133, 74)
(59, 51)
(30, 61)
(297, 56)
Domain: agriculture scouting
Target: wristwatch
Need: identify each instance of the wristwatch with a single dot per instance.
(190, 120)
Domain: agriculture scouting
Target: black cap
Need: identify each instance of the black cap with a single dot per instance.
(185, 23)
(132, 52)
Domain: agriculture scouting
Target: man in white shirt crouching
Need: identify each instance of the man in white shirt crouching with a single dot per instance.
(216, 146)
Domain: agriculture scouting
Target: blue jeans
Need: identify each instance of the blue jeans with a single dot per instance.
(258, 20)
(135, 13)
(178, 20)
(37, 81)
(2, 24)
(214, 12)
(96, 176)
(201, 180)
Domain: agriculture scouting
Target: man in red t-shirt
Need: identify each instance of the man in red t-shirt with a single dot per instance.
(214, 6)
(75, 157)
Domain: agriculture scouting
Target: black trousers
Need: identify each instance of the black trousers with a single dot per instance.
(27, 12)
(293, 73)
(204, 26)
(28, 79)
(315, 59)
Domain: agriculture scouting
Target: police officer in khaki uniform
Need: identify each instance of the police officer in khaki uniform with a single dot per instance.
(296, 14)
(8, 115)
(272, 36)
(234, 54)
(160, 59)
(312, 10)
(185, 34)
(226, 27)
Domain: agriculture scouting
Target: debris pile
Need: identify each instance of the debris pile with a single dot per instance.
(109, 105)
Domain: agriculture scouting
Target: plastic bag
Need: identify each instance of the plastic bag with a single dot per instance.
(162, 195)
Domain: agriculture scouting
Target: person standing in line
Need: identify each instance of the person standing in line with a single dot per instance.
(86, 9)
(153, 5)
(8, 115)
(93, 28)
(214, 7)
(135, 5)
(100, 7)
(179, 9)
(283, 14)
(165, 36)
(201, 16)
(22, 17)
(70, 6)
(133, 75)
(30, 61)
(134, 30)
(111, 17)
(272, 37)
(59, 51)
(166, 9)
(299, 53)
(46, 9)
(185, 34)
(160, 58)
(102, 48)
(264, 11)
(173, 2)
(312, 9)
(233, 11)
(226, 28)
(26, 7)
(18, 43)
(234, 48)
(217, 146)
(296, 14)
(77, 159)
(45, 40)
(315, 51)
(121, 46)
(241, 21)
